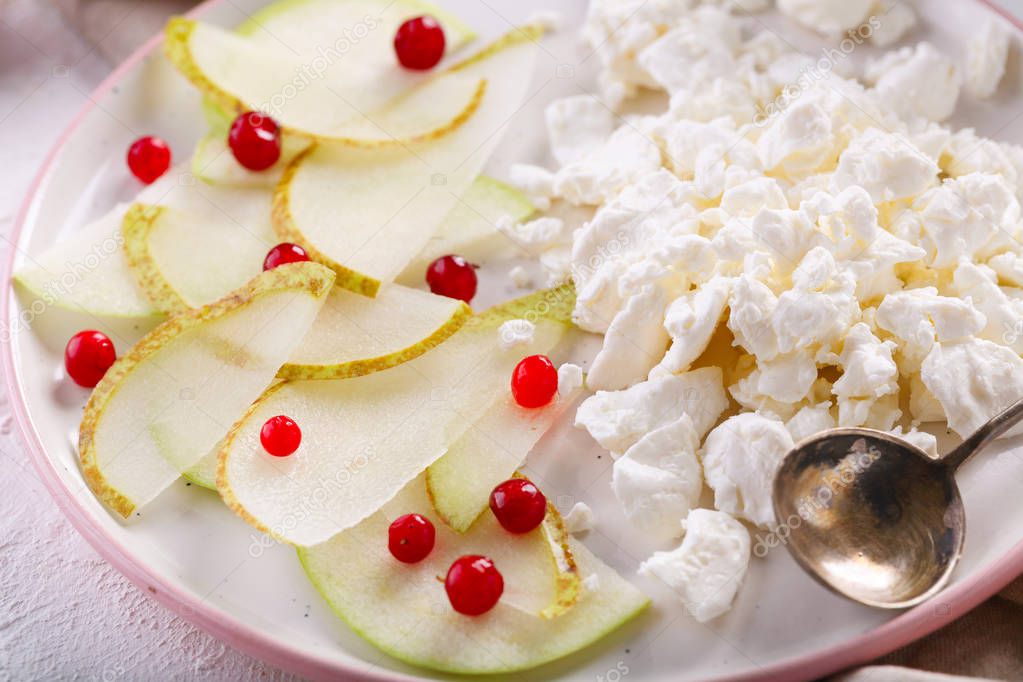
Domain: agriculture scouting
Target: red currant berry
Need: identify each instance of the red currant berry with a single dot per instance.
(452, 276)
(410, 538)
(419, 43)
(88, 356)
(148, 158)
(518, 505)
(283, 254)
(473, 585)
(534, 381)
(280, 436)
(255, 140)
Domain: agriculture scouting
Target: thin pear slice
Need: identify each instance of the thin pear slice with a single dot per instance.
(214, 163)
(403, 610)
(171, 398)
(470, 228)
(352, 335)
(488, 453)
(368, 214)
(365, 438)
(362, 100)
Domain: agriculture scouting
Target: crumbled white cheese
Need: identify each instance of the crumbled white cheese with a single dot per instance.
(520, 277)
(986, 55)
(577, 126)
(893, 20)
(657, 481)
(830, 17)
(570, 378)
(740, 457)
(921, 439)
(707, 569)
(973, 380)
(633, 344)
(535, 182)
(691, 321)
(887, 165)
(979, 284)
(626, 156)
(917, 82)
(537, 236)
(618, 419)
(579, 519)
(810, 420)
(516, 333)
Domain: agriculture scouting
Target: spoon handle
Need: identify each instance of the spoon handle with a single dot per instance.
(998, 425)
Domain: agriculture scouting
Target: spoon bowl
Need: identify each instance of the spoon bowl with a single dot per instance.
(874, 518)
(871, 516)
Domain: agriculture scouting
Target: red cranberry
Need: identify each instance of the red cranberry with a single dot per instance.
(518, 505)
(255, 140)
(534, 381)
(88, 356)
(148, 158)
(284, 253)
(280, 436)
(419, 43)
(452, 276)
(410, 538)
(473, 585)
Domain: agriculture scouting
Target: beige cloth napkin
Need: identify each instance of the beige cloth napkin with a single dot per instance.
(986, 643)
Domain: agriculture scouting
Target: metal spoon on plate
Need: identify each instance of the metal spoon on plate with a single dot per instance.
(874, 518)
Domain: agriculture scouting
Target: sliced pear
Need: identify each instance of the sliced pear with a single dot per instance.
(83, 281)
(367, 213)
(360, 98)
(403, 609)
(470, 228)
(488, 453)
(168, 401)
(353, 335)
(214, 163)
(366, 438)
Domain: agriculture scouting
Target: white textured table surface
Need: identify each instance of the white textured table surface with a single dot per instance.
(65, 614)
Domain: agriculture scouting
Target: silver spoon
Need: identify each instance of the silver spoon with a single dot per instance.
(873, 517)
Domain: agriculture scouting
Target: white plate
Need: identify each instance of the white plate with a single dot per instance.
(206, 564)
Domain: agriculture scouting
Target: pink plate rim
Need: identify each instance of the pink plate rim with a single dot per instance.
(900, 631)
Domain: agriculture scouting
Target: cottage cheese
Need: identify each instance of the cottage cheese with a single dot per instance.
(579, 519)
(986, 56)
(863, 258)
(707, 569)
(516, 333)
(739, 460)
(658, 480)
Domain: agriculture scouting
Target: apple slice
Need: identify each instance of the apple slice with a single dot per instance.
(368, 213)
(363, 99)
(403, 610)
(470, 228)
(365, 438)
(490, 452)
(171, 398)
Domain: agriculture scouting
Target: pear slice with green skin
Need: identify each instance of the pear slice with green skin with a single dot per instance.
(352, 335)
(365, 438)
(470, 228)
(192, 377)
(368, 214)
(490, 452)
(371, 102)
(403, 610)
(214, 163)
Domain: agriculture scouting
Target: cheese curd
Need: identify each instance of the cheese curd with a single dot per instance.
(973, 380)
(579, 519)
(986, 56)
(618, 419)
(516, 333)
(812, 239)
(658, 480)
(740, 457)
(707, 569)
